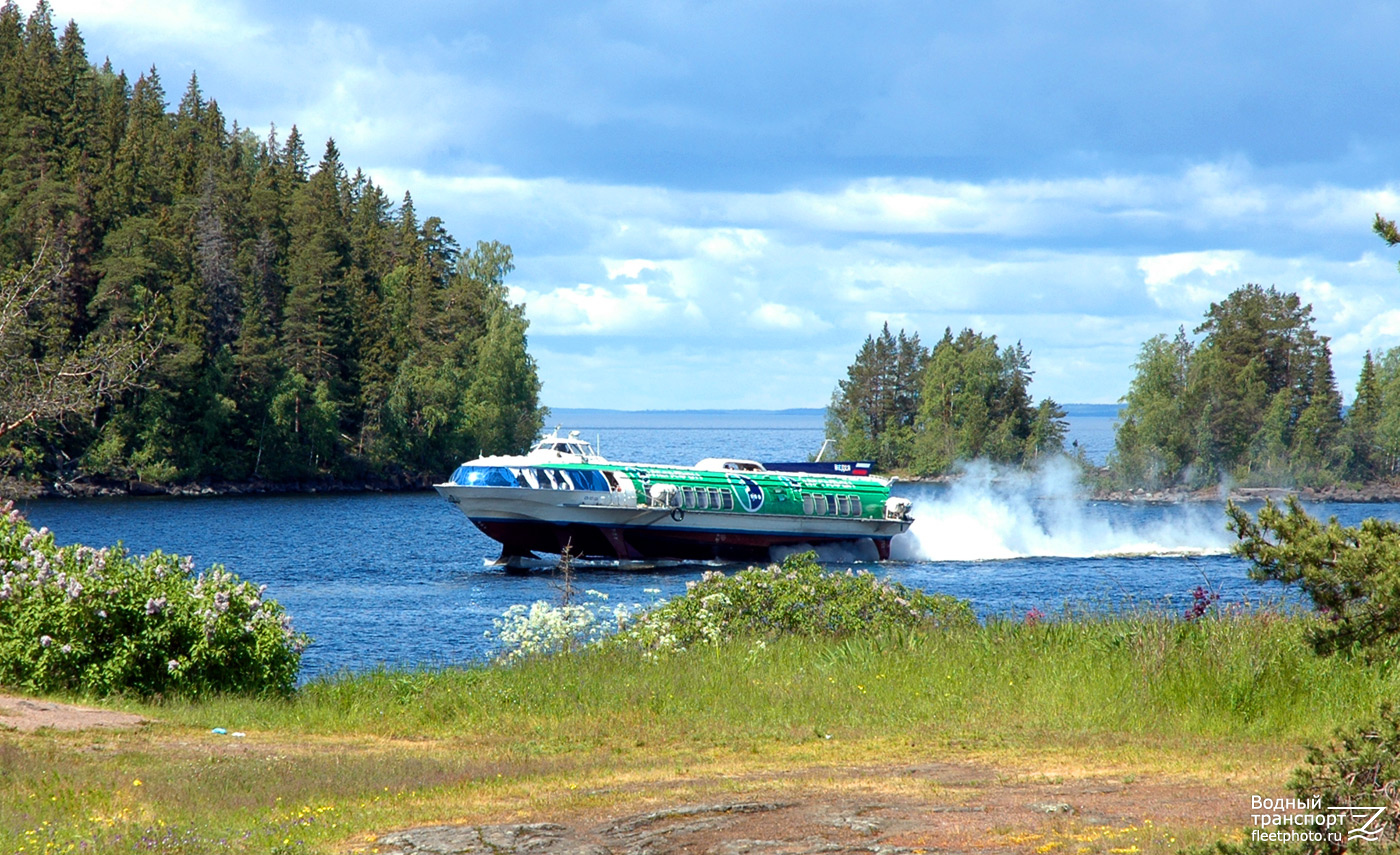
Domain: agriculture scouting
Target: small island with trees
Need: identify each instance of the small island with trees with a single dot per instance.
(1251, 401)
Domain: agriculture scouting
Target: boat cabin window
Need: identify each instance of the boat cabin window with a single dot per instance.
(592, 480)
(484, 476)
(546, 480)
(560, 445)
(820, 505)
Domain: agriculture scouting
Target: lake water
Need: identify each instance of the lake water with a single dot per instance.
(402, 579)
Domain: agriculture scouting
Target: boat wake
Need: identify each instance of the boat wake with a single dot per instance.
(550, 564)
(992, 514)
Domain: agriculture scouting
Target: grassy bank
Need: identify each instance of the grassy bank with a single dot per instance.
(1229, 697)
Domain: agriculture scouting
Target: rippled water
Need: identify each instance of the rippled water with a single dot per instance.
(402, 578)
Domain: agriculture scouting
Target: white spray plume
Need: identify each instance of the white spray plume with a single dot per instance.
(995, 513)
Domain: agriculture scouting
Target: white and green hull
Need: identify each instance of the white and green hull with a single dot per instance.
(633, 511)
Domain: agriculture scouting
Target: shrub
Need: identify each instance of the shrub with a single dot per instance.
(796, 597)
(1342, 784)
(1359, 769)
(100, 621)
(1352, 575)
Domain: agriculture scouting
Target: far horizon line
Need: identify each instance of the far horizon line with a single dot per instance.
(779, 410)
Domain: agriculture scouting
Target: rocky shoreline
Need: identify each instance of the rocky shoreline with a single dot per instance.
(89, 488)
(1381, 491)
(1366, 493)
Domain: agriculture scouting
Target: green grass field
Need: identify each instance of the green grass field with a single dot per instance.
(1224, 698)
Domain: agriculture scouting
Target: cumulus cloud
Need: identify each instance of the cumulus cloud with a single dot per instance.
(1081, 268)
(586, 309)
(1082, 308)
(1161, 270)
(629, 268)
(778, 316)
(1180, 280)
(331, 76)
(149, 22)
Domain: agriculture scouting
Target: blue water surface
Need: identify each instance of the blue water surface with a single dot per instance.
(403, 578)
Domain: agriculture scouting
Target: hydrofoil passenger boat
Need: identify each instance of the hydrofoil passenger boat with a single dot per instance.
(563, 494)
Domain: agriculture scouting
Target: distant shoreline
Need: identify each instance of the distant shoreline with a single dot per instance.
(564, 413)
(94, 488)
(99, 488)
(1364, 494)
(87, 487)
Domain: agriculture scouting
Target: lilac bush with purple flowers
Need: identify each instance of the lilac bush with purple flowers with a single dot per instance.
(102, 621)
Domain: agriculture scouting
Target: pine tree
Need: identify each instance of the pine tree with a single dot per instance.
(861, 405)
(1363, 422)
(1256, 400)
(79, 96)
(1318, 455)
(1153, 441)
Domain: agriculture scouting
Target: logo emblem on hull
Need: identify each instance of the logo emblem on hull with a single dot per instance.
(749, 493)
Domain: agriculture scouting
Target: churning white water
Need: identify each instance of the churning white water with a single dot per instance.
(993, 513)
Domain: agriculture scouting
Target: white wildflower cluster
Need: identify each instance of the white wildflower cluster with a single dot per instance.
(543, 629)
(709, 618)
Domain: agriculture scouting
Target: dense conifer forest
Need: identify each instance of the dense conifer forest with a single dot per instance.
(183, 300)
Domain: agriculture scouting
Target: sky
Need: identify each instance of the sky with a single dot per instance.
(713, 204)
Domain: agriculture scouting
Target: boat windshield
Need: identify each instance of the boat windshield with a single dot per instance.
(572, 444)
(484, 476)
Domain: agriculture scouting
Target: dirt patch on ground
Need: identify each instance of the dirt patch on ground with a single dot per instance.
(27, 715)
(888, 810)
